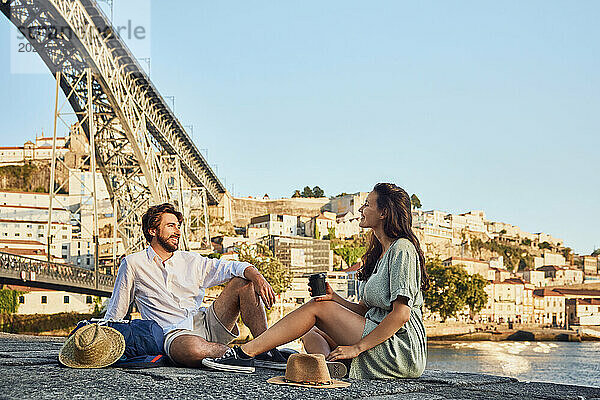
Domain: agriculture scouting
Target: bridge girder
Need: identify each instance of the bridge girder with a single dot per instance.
(134, 125)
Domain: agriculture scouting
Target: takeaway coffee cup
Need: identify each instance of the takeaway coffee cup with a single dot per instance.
(316, 282)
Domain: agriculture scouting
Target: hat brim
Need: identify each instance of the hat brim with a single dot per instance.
(280, 380)
(66, 356)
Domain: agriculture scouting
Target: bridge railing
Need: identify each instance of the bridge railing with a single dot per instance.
(31, 269)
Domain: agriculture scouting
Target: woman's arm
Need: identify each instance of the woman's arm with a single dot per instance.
(331, 295)
(389, 326)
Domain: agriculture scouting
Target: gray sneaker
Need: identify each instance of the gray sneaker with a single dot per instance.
(272, 359)
(337, 370)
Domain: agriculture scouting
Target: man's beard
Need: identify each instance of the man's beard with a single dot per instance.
(164, 242)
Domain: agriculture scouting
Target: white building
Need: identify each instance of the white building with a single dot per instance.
(349, 203)
(276, 224)
(30, 151)
(24, 225)
(319, 226)
(347, 225)
(435, 225)
(549, 258)
(45, 301)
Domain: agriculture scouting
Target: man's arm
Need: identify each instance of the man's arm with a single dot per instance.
(218, 271)
(122, 294)
(261, 286)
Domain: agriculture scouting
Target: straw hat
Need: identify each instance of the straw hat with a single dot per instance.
(307, 370)
(92, 346)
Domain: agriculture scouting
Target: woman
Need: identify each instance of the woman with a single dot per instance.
(383, 334)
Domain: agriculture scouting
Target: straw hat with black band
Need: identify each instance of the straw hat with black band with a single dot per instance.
(92, 346)
(308, 370)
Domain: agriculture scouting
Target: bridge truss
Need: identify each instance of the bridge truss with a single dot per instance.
(135, 137)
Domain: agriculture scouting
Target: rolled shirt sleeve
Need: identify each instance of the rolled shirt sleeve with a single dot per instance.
(403, 273)
(122, 294)
(216, 271)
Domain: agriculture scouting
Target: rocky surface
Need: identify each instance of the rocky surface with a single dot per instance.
(29, 369)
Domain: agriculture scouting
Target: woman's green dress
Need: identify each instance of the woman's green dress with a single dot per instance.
(404, 355)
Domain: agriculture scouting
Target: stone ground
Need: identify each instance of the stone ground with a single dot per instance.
(29, 369)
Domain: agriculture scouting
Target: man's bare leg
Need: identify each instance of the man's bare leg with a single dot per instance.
(189, 350)
(239, 297)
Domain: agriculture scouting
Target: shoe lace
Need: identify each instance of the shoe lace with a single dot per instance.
(230, 352)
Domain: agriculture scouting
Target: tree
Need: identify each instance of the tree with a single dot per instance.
(9, 300)
(277, 274)
(567, 253)
(330, 234)
(596, 253)
(451, 289)
(545, 245)
(318, 192)
(526, 242)
(503, 232)
(350, 254)
(414, 200)
(307, 192)
(296, 194)
(476, 295)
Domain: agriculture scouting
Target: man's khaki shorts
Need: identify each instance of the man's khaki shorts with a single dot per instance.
(207, 326)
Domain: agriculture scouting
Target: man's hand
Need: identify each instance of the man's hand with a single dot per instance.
(262, 288)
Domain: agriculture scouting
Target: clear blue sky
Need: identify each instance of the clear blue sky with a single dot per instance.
(469, 104)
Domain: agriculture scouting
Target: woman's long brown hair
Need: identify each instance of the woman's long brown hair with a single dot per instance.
(397, 224)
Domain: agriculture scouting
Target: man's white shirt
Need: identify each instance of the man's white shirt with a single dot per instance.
(169, 293)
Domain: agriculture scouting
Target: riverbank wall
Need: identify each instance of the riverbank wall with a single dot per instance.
(29, 370)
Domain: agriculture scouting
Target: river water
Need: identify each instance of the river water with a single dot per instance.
(557, 362)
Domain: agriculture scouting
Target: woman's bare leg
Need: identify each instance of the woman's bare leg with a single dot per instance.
(343, 326)
(316, 341)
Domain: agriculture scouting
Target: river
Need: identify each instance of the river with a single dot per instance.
(557, 362)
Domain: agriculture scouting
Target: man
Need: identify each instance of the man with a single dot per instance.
(168, 286)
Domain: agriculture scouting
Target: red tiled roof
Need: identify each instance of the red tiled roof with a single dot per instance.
(546, 292)
(18, 191)
(588, 302)
(549, 268)
(515, 281)
(27, 288)
(466, 259)
(32, 222)
(578, 292)
(25, 252)
(17, 241)
(33, 207)
(321, 216)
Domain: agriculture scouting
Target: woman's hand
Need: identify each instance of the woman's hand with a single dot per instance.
(328, 293)
(343, 353)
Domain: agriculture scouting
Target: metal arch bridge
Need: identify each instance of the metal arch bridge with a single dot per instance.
(25, 271)
(135, 136)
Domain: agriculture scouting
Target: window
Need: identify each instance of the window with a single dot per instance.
(17, 234)
(87, 261)
(21, 299)
(44, 299)
(88, 299)
(66, 299)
